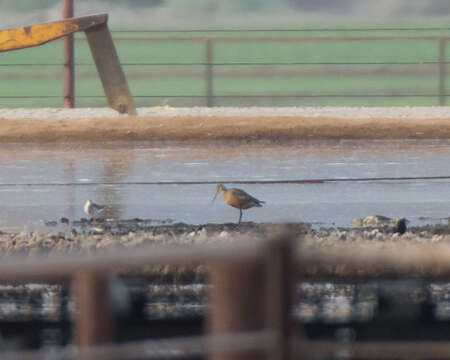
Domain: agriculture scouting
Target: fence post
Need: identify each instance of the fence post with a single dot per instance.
(69, 70)
(94, 321)
(209, 72)
(109, 69)
(237, 302)
(280, 286)
(442, 71)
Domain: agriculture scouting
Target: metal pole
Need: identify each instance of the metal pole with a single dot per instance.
(280, 286)
(69, 70)
(442, 71)
(209, 73)
(94, 322)
(237, 303)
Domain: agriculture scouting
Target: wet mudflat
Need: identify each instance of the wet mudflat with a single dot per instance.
(42, 182)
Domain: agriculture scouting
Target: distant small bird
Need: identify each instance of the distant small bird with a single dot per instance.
(93, 209)
(400, 226)
(237, 198)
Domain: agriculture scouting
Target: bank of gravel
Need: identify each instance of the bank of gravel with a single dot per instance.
(224, 124)
(340, 112)
(87, 237)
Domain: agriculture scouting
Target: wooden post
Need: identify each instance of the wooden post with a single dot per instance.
(69, 68)
(280, 286)
(94, 321)
(237, 303)
(442, 71)
(209, 72)
(109, 69)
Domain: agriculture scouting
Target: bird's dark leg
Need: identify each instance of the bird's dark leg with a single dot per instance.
(240, 216)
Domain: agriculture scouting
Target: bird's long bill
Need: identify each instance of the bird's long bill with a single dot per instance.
(214, 198)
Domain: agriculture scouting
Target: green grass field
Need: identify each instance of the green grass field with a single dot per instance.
(356, 84)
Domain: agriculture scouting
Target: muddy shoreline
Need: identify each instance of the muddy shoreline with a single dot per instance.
(84, 236)
(63, 234)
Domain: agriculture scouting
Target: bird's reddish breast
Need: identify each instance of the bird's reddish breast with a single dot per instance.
(230, 200)
(235, 198)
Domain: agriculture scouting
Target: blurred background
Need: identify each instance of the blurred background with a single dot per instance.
(243, 53)
(177, 13)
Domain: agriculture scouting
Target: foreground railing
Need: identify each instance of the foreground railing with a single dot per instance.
(250, 312)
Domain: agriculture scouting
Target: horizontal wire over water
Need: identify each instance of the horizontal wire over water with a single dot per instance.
(209, 182)
(253, 63)
(294, 96)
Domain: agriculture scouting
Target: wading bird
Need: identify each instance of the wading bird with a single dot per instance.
(92, 208)
(237, 198)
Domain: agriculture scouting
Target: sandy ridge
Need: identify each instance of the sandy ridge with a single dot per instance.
(272, 124)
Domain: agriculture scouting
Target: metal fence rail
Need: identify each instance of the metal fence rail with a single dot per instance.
(210, 70)
(251, 298)
(178, 348)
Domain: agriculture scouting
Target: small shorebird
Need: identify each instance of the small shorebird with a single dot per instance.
(399, 226)
(92, 208)
(237, 198)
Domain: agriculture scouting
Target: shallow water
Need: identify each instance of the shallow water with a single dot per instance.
(107, 173)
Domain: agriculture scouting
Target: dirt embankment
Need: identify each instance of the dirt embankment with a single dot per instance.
(225, 128)
(276, 124)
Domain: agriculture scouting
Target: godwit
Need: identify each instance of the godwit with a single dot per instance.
(92, 208)
(237, 198)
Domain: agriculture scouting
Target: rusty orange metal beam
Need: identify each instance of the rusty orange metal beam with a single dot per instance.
(34, 35)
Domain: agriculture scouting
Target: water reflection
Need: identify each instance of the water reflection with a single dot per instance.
(115, 169)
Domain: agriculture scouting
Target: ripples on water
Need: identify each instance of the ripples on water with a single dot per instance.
(92, 165)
